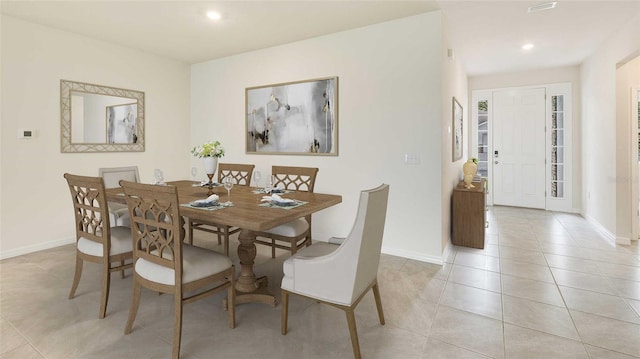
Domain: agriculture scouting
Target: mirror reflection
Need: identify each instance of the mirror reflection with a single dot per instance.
(99, 118)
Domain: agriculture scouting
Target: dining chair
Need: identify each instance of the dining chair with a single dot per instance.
(242, 174)
(118, 212)
(340, 275)
(96, 240)
(296, 234)
(163, 263)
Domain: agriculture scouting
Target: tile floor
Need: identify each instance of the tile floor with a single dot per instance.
(547, 285)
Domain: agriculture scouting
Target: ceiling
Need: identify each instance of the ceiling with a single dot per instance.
(486, 35)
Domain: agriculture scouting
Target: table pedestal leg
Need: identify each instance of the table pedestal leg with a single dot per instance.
(250, 289)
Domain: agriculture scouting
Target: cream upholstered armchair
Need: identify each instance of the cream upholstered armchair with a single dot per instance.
(118, 212)
(341, 275)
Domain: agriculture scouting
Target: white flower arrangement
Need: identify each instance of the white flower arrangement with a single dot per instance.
(209, 149)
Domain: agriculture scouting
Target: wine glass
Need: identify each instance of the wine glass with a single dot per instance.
(257, 176)
(270, 182)
(228, 184)
(194, 173)
(159, 176)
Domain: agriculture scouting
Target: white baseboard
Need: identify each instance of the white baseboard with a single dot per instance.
(412, 255)
(35, 248)
(605, 232)
(623, 241)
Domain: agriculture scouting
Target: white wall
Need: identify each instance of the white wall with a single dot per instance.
(454, 84)
(627, 80)
(569, 74)
(598, 88)
(36, 210)
(390, 103)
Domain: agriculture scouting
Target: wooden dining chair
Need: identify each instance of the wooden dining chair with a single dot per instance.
(163, 263)
(296, 234)
(242, 174)
(96, 240)
(118, 212)
(340, 275)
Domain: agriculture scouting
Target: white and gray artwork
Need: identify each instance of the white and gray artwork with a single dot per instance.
(121, 123)
(293, 118)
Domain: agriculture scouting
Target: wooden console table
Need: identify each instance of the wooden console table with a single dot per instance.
(469, 215)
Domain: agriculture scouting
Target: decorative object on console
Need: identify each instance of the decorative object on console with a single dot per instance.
(469, 168)
(210, 152)
(298, 117)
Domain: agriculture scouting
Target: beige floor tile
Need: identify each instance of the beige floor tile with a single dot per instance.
(478, 261)
(25, 351)
(539, 316)
(436, 349)
(474, 277)
(532, 290)
(635, 304)
(626, 288)
(473, 300)
(470, 331)
(10, 338)
(608, 333)
(572, 263)
(585, 281)
(600, 304)
(526, 343)
(619, 271)
(601, 353)
(526, 270)
(523, 255)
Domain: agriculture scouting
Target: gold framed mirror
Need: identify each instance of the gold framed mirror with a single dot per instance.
(96, 118)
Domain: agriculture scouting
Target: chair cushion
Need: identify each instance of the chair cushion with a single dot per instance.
(292, 229)
(317, 249)
(121, 242)
(119, 215)
(197, 263)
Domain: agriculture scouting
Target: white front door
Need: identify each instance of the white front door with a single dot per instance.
(518, 157)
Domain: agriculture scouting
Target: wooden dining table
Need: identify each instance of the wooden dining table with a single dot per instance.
(246, 214)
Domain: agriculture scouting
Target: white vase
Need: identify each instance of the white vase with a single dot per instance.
(210, 165)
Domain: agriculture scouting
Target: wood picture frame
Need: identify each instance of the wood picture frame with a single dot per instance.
(457, 139)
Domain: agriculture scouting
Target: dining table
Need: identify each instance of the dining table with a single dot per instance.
(249, 213)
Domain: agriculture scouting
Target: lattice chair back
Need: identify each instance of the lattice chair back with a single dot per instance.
(240, 172)
(90, 209)
(295, 178)
(155, 222)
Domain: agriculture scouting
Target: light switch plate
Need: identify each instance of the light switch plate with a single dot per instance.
(411, 159)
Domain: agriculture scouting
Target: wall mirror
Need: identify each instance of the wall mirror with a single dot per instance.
(97, 118)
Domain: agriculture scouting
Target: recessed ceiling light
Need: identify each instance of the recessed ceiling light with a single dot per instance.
(214, 15)
(527, 47)
(541, 7)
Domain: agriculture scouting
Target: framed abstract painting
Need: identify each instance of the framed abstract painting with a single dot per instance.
(457, 130)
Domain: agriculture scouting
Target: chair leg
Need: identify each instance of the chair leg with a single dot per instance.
(285, 311)
(135, 304)
(273, 248)
(376, 295)
(231, 298)
(351, 320)
(76, 277)
(122, 271)
(190, 231)
(177, 325)
(106, 282)
(226, 240)
(220, 234)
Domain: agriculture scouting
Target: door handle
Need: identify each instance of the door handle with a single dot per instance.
(496, 162)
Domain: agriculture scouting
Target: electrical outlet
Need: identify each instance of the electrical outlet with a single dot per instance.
(411, 159)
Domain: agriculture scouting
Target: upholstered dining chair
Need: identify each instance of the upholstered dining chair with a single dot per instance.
(118, 212)
(296, 234)
(163, 263)
(96, 240)
(340, 275)
(241, 173)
